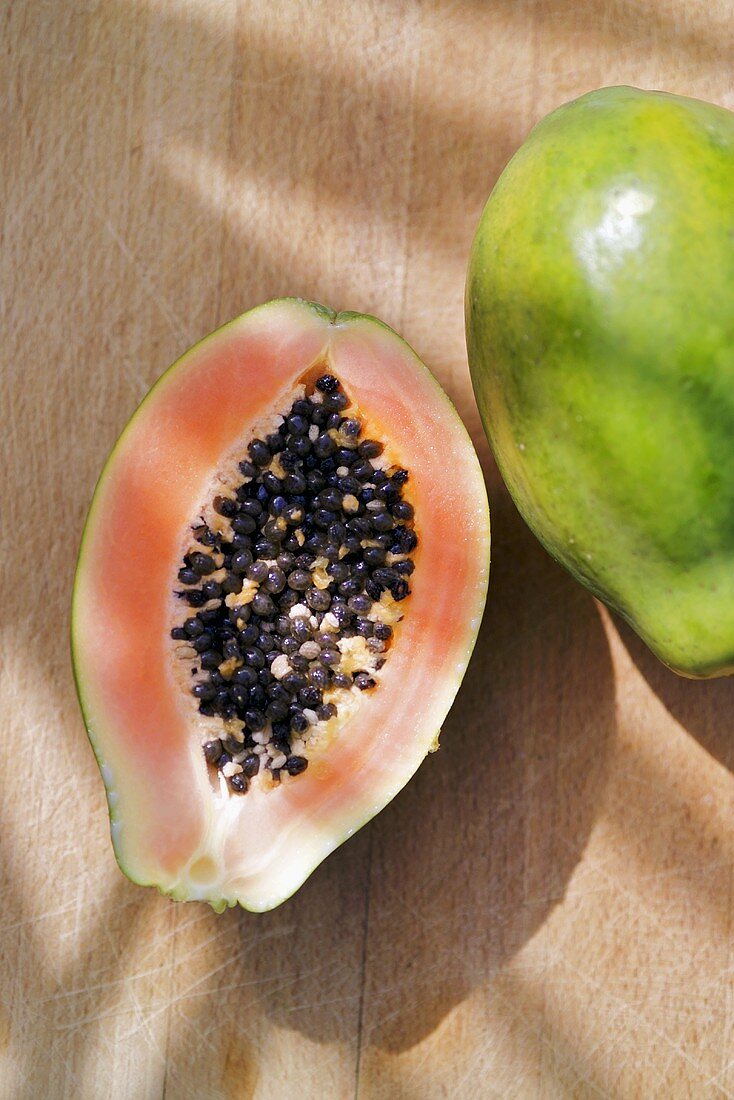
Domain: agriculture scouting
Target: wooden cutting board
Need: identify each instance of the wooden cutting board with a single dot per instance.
(546, 911)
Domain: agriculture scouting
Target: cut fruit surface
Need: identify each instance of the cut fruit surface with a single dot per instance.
(280, 584)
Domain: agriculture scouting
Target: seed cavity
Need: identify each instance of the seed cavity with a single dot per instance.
(292, 588)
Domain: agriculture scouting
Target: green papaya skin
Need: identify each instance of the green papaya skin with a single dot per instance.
(600, 333)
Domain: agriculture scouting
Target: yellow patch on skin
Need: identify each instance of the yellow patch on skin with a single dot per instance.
(277, 468)
(319, 769)
(355, 654)
(341, 438)
(385, 610)
(235, 728)
(247, 595)
(268, 781)
(230, 666)
(319, 576)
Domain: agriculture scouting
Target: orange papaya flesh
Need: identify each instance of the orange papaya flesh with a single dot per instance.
(178, 822)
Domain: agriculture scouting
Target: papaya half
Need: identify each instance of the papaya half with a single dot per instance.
(279, 586)
(600, 332)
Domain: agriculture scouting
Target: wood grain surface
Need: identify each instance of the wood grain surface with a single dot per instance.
(546, 911)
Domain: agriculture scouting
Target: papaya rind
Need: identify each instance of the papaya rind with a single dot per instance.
(602, 357)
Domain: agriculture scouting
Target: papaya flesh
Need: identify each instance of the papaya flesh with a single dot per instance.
(600, 331)
(279, 586)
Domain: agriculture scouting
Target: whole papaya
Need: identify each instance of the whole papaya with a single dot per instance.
(600, 331)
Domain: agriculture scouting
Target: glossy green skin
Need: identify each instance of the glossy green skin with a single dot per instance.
(600, 330)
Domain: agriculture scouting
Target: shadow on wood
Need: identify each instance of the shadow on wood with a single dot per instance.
(69, 998)
(698, 705)
(474, 855)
